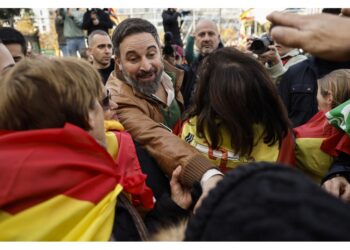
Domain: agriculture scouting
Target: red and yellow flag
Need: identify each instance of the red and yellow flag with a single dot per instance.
(309, 137)
(122, 149)
(56, 184)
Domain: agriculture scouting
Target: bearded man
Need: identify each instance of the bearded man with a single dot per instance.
(147, 91)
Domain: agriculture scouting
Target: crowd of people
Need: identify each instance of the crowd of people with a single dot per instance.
(147, 141)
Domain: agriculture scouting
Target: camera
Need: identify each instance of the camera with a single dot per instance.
(260, 45)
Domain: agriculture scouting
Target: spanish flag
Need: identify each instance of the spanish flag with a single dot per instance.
(122, 149)
(246, 15)
(57, 184)
(316, 143)
(113, 15)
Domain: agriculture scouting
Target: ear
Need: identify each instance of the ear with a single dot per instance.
(118, 63)
(92, 118)
(329, 98)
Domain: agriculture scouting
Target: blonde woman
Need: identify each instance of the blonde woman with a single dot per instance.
(313, 155)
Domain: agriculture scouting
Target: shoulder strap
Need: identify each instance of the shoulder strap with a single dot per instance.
(136, 217)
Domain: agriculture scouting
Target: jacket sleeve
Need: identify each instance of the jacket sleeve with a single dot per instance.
(276, 72)
(166, 148)
(340, 166)
(189, 50)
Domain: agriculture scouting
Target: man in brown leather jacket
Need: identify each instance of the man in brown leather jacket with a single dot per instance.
(147, 91)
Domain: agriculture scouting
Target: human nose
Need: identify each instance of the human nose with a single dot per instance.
(206, 37)
(145, 64)
(107, 50)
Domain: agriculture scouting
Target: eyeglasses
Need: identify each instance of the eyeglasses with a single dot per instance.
(105, 101)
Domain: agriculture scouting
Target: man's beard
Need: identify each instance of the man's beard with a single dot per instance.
(148, 88)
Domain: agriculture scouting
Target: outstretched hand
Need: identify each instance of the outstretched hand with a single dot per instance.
(179, 194)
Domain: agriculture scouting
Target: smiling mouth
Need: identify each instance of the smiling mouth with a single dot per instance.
(147, 77)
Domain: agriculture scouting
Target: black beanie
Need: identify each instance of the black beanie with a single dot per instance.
(269, 202)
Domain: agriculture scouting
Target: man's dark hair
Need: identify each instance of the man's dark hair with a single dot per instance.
(12, 36)
(132, 26)
(237, 93)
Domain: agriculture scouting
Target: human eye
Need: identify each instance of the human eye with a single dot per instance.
(132, 59)
(151, 54)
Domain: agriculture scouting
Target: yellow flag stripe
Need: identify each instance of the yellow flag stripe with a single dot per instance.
(62, 218)
(311, 159)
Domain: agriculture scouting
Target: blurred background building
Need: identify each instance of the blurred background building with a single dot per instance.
(235, 24)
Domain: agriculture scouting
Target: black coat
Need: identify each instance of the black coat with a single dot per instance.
(170, 24)
(104, 24)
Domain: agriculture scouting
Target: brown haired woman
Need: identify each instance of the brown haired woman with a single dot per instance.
(237, 116)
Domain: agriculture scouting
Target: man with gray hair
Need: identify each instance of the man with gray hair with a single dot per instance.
(100, 50)
(147, 91)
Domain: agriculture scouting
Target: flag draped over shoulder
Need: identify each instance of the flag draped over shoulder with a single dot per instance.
(56, 184)
(121, 147)
(317, 142)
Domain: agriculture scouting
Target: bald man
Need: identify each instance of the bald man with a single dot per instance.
(207, 39)
(100, 49)
(6, 59)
